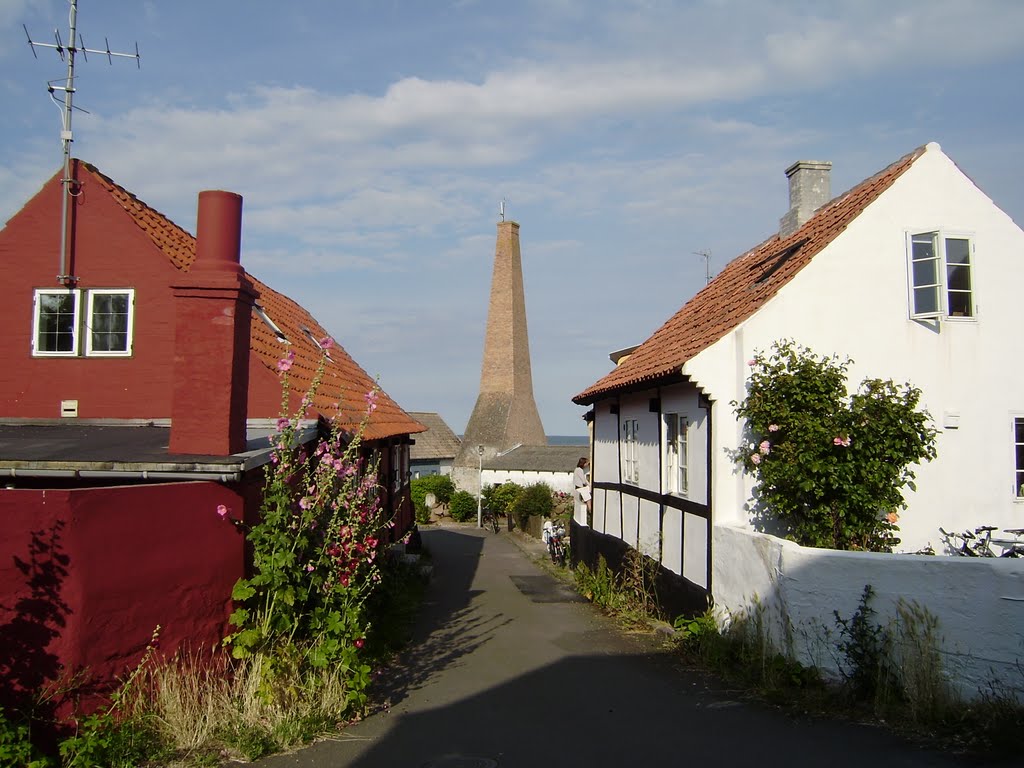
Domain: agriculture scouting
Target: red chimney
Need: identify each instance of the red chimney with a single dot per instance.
(213, 308)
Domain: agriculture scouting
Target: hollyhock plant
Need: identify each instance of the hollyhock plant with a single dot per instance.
(315, 549)
(285, 363)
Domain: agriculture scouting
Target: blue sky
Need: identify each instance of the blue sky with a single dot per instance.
(373, 141)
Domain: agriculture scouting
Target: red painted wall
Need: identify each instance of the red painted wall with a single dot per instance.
(86, 575)
(110, 252)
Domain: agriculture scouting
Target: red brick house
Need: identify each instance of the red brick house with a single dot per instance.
(139, 388)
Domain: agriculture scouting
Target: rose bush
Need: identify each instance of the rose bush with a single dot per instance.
(830, 467)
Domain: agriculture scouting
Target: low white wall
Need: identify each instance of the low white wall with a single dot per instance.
(558, 481)
(979, 602)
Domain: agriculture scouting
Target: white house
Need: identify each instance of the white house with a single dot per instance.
(914, 274)
(525, 465)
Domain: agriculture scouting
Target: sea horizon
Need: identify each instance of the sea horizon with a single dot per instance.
(581, 440)
(568, 440)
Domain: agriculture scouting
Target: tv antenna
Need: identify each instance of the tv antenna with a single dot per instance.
(706, 255)
(67, 54)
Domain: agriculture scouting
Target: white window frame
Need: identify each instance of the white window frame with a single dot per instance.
(75, 326)
(399, 466)
(92, 293)
(677, 470)
(941, 289)
(630, 457)
(1017, 436)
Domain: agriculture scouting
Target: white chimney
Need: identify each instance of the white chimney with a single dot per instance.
(809, 188)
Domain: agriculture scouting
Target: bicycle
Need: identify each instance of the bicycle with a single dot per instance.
(963, 549)
(1011, 547)
(984, 545)
(554, 534)
(489, 520)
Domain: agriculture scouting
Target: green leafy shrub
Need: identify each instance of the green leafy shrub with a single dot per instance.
(500, 498)
(440, 485)
(462, 506)
(16, 746)
(830, 467)
(533, 500)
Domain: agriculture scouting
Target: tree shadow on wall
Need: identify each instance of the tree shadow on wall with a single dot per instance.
(29, 671)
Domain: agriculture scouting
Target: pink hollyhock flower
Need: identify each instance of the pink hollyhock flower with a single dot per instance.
(756, 458)
(310, 568)
(305, 503)
(765, 447)
(751, 362)
(285, 363)
(326, 343)
(773, 427)
(371, 401)
(223, 511)
(282, 423)
(359, 643)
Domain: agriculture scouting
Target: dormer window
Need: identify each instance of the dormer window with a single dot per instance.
(941, 283)
(316, 342)
(57, 327)
(261, 313)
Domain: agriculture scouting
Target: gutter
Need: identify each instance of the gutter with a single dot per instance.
(144, 474)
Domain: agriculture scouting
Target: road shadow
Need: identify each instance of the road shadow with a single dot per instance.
(618, 711)
(449, 626)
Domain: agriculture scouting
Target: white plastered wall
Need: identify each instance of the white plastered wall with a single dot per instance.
(852, 300)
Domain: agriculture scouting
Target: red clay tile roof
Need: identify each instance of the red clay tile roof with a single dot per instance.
(741, 288)
(344, 383)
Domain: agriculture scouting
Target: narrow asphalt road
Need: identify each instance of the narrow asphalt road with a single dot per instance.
(510, 669)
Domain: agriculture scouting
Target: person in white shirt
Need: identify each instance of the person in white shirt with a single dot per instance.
(581, 483)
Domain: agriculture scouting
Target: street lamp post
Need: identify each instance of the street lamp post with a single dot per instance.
(480, 490)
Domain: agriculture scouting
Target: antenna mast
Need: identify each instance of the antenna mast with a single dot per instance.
(706, 255)
(66, 136)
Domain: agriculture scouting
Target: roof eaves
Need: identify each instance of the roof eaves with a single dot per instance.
(736, 293)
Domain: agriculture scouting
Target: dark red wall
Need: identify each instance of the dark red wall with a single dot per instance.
(87, 575)
(111, 251)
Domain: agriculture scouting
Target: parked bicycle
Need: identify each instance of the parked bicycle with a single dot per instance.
(979, 543)
(1011, 547)
(966, 546)
(489, 520)
(554, 535)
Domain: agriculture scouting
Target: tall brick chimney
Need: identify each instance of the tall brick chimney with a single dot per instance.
(810, 187)
(213, 311)
(505, 414)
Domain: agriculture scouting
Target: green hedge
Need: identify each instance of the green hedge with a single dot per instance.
(440, 485)
(536, 499)
(462, 506)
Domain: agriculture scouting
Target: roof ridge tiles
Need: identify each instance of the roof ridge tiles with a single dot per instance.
(740, 289)
(345, 384)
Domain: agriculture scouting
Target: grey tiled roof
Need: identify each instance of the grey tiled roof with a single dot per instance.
(438, 442)
(540, 458)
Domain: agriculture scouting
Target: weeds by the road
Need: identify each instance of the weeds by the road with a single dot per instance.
(890, 674)
(197, 710)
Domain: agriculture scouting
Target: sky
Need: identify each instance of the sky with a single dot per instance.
(374, 140)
